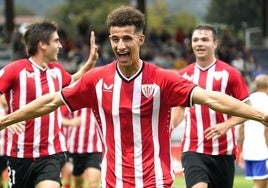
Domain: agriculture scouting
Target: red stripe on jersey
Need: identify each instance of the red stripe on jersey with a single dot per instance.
(126, 129)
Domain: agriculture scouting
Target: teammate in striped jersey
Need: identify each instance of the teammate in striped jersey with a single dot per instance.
(3, 134)
(36, 156)
(132, 100)
(209, 162)
(84, 146)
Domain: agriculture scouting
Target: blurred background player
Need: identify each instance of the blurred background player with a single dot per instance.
(253, 138)
(84, 146)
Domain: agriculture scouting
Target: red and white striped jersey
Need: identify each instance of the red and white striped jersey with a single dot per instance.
(85, 137)
(218, 77)
(3, 137)
(22, 81)
(134, 118)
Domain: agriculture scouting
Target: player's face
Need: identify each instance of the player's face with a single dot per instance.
(52, 49)
(203, 44)
(126, 42)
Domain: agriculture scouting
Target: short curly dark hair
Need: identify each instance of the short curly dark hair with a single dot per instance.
(126, 16)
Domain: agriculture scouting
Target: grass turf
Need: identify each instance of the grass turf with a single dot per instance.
(239, 182)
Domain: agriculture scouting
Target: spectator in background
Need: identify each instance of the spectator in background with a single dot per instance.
(180, 36)
(18, 47)
(250, 67)
(239, 62)
(253, 138)
(257, 71)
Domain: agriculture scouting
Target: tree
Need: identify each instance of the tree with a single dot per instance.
(236, 13)
(81, 16)
(159, 18)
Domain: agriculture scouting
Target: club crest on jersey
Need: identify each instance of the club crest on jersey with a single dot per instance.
(147, 90)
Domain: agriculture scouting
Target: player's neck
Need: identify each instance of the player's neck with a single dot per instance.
(203, 63)
(38, 61)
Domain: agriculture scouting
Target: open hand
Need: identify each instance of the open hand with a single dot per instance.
(216, 131)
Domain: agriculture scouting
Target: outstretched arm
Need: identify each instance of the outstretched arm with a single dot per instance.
(226, 104)
(43, 105)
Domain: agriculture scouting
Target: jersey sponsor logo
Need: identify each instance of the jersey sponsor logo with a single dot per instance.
(30, 74)
(188, 77)
(1, 72)
(107, 87)
(147, 90)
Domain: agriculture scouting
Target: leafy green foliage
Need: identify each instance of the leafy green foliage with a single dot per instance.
(235, 13)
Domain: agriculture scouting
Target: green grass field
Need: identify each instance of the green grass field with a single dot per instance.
(239, 182)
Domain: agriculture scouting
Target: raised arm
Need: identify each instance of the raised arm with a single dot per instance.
(43, 105)
(91, 61)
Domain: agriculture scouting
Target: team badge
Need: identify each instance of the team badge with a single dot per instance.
(147, 90)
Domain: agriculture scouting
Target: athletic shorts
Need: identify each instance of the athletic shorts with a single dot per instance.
(217, 171)
(256, 170)
(27, 173)
(82, 161)
(3, 163)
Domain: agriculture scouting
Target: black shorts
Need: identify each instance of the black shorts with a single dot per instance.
(216, 170)
(3, 163)
(85, 160)
(27, 173)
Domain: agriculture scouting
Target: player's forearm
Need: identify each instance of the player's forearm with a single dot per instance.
(36, 108)
(224, 103)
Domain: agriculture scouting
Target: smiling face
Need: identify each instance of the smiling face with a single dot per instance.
(204, 45)
(126, 42)
(51, 50)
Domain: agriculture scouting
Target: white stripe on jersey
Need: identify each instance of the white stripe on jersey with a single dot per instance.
(136, 133)
(117, 133)
(212, 113)
(156, 107)
(199, 116)
(22, 103)
(82, 131)
(103, 136)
